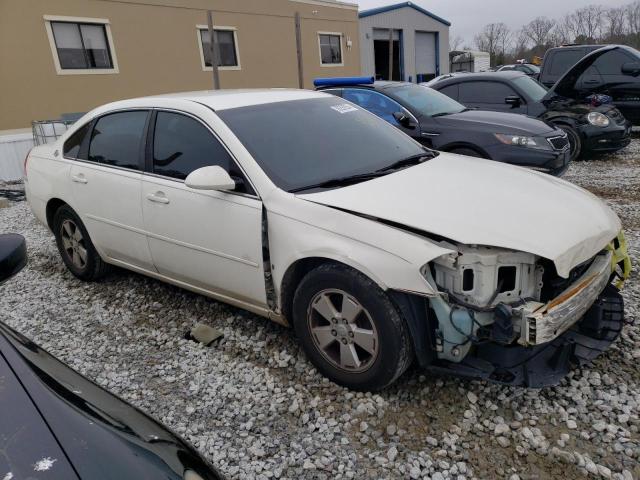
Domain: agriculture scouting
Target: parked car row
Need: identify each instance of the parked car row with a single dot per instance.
(442, 123)
(571, 115)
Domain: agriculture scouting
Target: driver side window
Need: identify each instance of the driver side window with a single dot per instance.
(374, 102)
(182, 144)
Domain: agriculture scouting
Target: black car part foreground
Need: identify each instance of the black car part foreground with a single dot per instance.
(534, 367)
(56, 422)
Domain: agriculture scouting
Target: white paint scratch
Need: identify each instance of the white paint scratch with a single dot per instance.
(44, 464)
(8, 476)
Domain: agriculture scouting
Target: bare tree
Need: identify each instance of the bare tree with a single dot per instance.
(539, 31)
(494, 39)
(520, 46)
(632, 17)
(565, 31)
(455, 43)
(615, 28)
(588, 23)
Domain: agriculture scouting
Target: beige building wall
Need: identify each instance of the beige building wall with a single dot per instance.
(157, 51)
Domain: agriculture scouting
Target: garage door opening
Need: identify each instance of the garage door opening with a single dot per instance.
(426, 56)
(382, 57)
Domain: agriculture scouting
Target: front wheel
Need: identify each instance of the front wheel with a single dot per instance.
(575, 142)
(350, 329)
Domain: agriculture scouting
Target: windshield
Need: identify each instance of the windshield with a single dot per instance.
(306, 142)
(424, 101)
(533, 68)
(533, 89)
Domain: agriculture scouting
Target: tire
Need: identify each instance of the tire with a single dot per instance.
(575, 141)
(377, 334)
(466, 151)
(75, 246)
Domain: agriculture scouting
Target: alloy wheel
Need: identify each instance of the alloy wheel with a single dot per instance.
(342, 330)
(73, 244)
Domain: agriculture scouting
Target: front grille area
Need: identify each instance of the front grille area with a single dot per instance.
(616, 116)
(553, 285)
(559, 143)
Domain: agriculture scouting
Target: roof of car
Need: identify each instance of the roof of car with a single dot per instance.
(505, 75)
(377, 85)
(227, 99)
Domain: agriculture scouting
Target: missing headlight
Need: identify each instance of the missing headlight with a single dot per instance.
(486, 276)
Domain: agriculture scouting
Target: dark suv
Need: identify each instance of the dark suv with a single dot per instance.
(592, 127)
(615, 73)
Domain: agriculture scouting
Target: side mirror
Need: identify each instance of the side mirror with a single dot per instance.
(405, 120)
(631, 68)
(210, 178)
(513, 100)
(13, 255)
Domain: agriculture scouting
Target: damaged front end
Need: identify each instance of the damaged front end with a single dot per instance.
(509, 317)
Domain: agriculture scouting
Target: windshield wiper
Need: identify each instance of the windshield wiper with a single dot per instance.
(409, 161)
(362, 177)
(340, 182)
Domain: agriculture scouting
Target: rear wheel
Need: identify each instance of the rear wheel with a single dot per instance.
(350, 329)
(466, 151)
(75, 246)
(575, 142)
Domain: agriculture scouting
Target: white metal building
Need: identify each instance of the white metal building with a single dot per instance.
(420, 43)
(470, 61)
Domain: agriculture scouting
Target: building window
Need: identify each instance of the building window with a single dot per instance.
(226, 40)
(81, 45)
(330, 49)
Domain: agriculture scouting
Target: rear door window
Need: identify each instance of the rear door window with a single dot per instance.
(484, 92)
(117, 139)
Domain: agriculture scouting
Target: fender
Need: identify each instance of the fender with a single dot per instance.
(364, 244)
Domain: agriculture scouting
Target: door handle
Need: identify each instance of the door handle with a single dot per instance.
(80, 178)
(158, 197)
(591, 82)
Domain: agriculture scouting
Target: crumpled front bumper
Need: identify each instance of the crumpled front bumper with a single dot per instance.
(572, 329)
(547, 364)
(552, 319)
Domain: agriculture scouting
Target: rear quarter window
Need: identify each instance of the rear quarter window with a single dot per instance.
(71, 148)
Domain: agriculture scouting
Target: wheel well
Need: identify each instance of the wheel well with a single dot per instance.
(292, 278)
(52, 207)
(455, 146)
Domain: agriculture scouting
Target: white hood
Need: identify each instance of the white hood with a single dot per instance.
(481, 202)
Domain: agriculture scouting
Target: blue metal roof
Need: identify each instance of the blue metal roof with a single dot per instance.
(389, 8)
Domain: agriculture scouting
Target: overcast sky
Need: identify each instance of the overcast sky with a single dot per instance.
(467, 17)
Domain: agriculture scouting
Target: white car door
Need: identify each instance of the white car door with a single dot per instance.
(106, 181)
(208, 239)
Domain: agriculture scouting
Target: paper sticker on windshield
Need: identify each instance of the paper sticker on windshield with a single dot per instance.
(344, 108)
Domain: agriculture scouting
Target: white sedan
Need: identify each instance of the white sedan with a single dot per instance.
(308, 210)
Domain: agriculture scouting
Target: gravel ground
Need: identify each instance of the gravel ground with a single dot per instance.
(257, 408)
